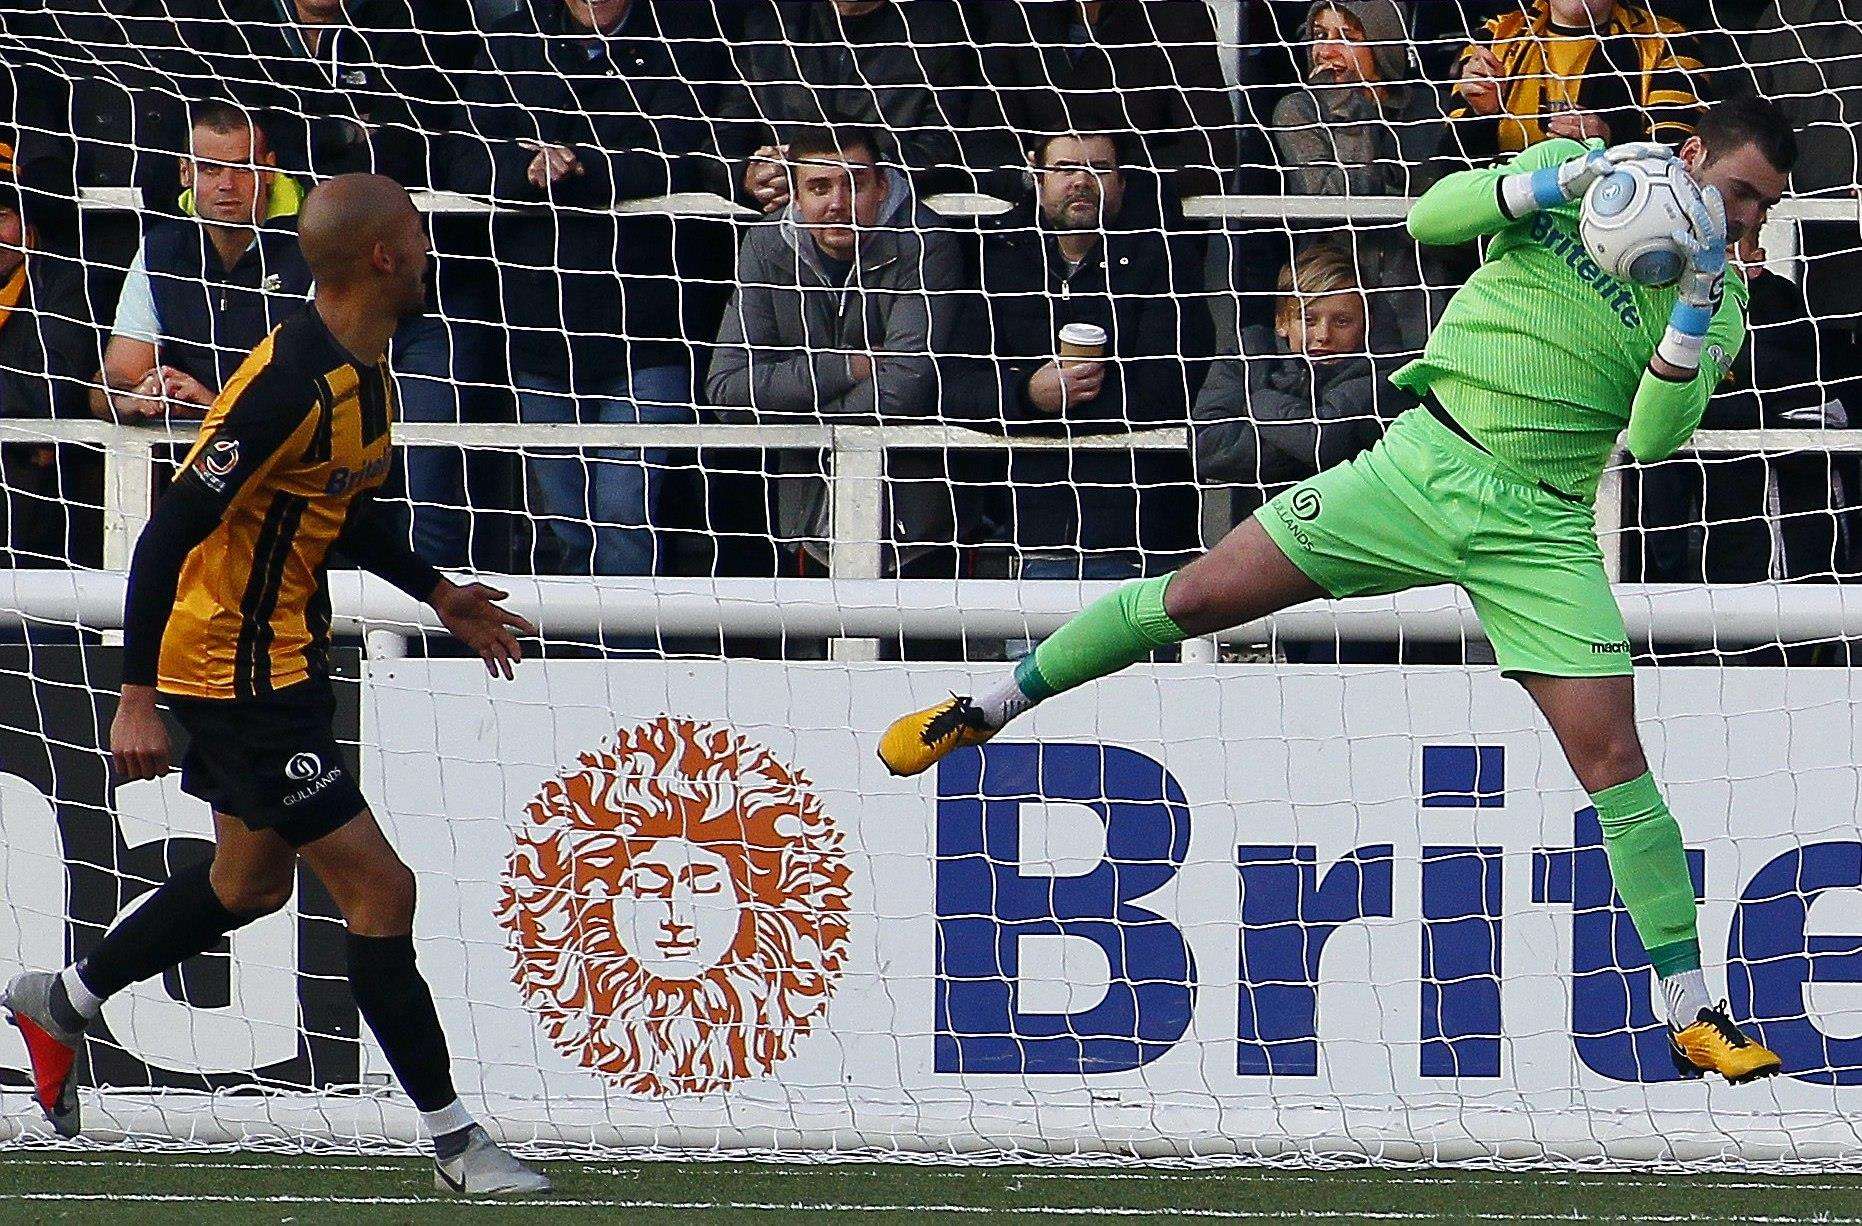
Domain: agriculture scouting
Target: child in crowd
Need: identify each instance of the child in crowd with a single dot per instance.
(1299, 397)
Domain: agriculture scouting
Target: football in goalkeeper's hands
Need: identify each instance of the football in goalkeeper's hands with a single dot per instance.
(1629, 219)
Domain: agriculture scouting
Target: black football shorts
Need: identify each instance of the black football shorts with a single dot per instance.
(270, 760)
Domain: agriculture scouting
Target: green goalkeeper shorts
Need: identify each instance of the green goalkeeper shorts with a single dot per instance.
(1427, 506)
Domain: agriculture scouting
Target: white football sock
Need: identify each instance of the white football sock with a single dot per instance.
(1003, 701)
(82, 998)
(450, 1118)
(1687, 996)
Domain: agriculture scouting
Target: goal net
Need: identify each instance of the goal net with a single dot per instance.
(794, 366)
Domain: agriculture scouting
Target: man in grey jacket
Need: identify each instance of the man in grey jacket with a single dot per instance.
(840, 308)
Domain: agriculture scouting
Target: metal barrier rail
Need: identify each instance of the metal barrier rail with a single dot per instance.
(852, 610)
(973, 204)
(857, 527)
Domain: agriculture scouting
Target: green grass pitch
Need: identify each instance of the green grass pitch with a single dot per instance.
(208, 1189)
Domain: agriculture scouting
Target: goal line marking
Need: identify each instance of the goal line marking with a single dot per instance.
(836, 1207)
(327, 1163)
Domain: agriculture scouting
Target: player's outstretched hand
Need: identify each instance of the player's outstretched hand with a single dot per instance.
(138, 738)
(472, 617)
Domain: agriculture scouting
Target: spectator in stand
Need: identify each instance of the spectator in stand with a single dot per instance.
(46, 349)
(363, 85)
(1807, 57)
(1579, 69)
(1149, 68)
(1087, 249)
(582, 105)
(908, 70)
(839, 310)
(1299, 397)
(204, 290)
(350, 85)
(1732, 519)
(1363, 124)
(120, 71)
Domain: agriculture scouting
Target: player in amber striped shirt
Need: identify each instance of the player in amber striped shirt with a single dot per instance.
(228, 619)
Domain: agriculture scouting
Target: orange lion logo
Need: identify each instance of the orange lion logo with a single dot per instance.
(678, 908)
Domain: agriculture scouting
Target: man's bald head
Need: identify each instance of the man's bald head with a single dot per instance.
(362, 236)
(342, 221)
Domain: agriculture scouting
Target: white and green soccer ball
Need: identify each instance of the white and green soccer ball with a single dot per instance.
(1629, 219)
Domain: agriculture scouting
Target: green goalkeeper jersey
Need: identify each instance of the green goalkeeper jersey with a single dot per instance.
(1541, 355)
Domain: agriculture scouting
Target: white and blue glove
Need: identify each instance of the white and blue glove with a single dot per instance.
(1529, 191)
(1702, 285)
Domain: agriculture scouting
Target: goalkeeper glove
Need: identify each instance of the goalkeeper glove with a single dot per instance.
(1529, 191)
(1702, 285)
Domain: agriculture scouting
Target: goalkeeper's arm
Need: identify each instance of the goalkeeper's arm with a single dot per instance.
(1470, 204)
(1705, 330)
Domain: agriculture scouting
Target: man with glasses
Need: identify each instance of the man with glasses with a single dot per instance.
(1087, 248)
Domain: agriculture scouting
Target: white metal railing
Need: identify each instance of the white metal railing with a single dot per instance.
(972, 204)
(1728, 616)
(857, 468)
(855, 604)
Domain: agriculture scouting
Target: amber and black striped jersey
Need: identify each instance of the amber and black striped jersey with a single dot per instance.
(227, 592)
(1637, 71)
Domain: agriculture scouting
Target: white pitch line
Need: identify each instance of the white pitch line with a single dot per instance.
(833, 1207)
(755, 1170)
(1368, 1174)
(324, 1165)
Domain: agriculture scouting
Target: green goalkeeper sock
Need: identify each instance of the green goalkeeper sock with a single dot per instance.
(1649, 867)
(1113, 632)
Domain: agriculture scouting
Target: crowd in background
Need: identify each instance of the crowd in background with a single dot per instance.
(837, 292)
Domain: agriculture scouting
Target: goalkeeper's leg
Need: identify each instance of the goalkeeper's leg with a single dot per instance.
(1393, 518)
(1245, 577)
(1594, 719)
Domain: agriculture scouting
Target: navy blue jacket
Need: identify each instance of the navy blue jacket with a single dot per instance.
(211, 316)
(576, 277)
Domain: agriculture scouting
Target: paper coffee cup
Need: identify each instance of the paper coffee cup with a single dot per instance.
(1082, 341)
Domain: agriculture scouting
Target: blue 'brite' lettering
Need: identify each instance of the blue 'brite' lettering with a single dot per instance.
(1613, 292)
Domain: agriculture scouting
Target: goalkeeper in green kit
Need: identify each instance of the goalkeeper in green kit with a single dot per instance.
(1539, 363)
